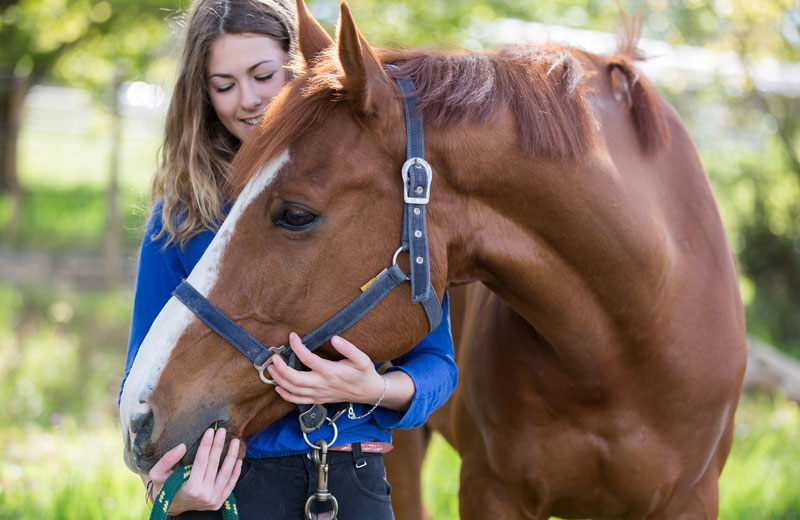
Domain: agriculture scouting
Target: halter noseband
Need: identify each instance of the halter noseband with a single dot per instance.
(417, 176)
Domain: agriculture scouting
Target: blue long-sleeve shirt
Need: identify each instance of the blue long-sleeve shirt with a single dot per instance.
(431, 364)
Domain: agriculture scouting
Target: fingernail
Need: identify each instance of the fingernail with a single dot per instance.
(177, 449)
(293, 335)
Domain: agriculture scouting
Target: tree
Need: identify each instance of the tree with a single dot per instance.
(79, 42)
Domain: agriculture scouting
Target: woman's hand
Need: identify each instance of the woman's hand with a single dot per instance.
(210, 484)
(353, 378)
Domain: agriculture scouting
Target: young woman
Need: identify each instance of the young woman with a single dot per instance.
(234, 62)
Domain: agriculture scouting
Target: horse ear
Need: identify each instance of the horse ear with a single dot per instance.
(312, 38)
(365, 82)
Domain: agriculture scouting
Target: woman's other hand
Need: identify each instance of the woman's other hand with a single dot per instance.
(353, 378)
(210, 484)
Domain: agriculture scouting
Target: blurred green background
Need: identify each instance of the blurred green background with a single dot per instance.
(83, 85)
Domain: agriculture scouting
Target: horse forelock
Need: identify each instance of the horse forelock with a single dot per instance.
(541, 85)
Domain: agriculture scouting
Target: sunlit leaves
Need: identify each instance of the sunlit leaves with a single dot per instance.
(84, 43)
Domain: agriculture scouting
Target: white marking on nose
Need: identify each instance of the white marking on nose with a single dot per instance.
(174, 318)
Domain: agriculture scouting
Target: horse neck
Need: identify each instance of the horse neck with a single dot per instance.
(546, 235)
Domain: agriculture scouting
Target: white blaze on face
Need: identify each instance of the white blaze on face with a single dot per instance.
(173, 319)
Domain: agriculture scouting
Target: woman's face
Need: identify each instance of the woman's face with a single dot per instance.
(243, 72)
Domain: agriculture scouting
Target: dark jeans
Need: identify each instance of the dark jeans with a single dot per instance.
(277, 488)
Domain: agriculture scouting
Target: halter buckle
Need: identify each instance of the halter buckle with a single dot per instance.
(426, 192)
(267, 362)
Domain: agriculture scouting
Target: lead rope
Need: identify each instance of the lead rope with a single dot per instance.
(171, 487)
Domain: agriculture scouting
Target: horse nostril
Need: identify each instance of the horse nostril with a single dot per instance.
(141, 430)
(142, 424)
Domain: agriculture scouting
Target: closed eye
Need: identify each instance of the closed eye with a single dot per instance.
(293, 218)
(265, 77)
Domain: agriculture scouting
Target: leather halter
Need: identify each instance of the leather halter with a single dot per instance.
(417, 176)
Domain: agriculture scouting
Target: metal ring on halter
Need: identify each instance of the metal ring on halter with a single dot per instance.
(267, 362)
(396, 254)
(335, 435)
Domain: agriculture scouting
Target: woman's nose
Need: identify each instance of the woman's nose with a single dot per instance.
(251, 98)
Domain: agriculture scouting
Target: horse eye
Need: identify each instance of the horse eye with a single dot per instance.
(294, 218)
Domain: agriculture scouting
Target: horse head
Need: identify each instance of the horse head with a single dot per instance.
(318, 212)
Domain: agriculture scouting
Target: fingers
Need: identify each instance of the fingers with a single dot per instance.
(210, 483)
(297, 382)
(217, 444)
(327, 381)
(350, 351)
(227, 470)
(308, 358)
(201, 457)
(164, 467)
(234, 477)
(294, 398)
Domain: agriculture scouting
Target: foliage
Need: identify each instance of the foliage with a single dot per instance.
(80, 41)
(92, 44)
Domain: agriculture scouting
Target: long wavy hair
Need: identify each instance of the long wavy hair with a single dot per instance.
(197, 148)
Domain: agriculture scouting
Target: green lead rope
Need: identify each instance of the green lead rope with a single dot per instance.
(171, 487)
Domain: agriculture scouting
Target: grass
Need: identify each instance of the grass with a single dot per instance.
(64, 178)
(760, 480)
(67, 471)
(57, 219)
(61, 356)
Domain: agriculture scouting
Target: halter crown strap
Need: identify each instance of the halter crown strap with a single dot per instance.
(417, 176)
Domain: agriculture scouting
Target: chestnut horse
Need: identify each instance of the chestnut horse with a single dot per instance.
(565, 185)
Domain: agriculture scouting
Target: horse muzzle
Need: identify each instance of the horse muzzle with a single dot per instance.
(137, 441)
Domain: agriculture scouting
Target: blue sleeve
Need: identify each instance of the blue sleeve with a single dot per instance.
(432, 367)
(160, 270)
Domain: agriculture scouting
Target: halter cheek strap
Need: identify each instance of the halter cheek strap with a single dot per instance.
(417, 176)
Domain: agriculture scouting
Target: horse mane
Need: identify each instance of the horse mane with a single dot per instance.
(540, 85)
(642, 98)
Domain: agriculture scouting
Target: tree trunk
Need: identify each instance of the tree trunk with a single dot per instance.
(13, 90)
(113, 235)
(12, 96)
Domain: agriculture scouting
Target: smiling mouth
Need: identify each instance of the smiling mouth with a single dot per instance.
(253, 121)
